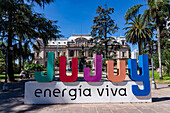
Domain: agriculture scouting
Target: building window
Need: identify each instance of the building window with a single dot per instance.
(70, 64)
(123, 54)
(58, 53)
(64, 53)
(37, 54)
(71, 53)
(123, 42)
(58, 42)
(53, 42)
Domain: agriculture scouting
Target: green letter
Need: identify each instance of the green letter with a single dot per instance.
(40, 77)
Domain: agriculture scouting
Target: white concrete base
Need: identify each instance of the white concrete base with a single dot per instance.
(81, 92)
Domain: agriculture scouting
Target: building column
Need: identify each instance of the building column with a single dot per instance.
(127, 54)
(67, 52)
(77, 52)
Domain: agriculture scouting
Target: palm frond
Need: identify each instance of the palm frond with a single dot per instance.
(131, 12)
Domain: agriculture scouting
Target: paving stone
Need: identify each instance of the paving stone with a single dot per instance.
(13, 101)
(147, 111)
(132, 111)
(119, 111)
(90, 110)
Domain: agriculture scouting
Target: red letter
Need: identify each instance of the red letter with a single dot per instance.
(62, 70)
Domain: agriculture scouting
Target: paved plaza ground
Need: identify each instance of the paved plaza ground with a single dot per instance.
(13, 101)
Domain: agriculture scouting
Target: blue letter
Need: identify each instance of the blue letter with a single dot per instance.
(143, 76)
(39, 76)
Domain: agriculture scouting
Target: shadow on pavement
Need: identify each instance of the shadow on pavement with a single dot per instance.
(13, 100)
(160, 99)
(168, 86)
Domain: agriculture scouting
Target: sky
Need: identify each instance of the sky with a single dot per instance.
(76, 16)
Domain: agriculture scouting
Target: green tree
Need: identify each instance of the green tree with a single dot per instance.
(157, 10)
(18, 18)
(23, 54)
(138, 31)
(102, 30)
(165, 56)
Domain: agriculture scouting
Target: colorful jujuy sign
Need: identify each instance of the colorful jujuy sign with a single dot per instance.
(137, 90)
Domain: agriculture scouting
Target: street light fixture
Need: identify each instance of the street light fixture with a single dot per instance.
(151, 48)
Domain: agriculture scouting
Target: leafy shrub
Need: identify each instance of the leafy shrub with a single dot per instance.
(34, 67)
(89, 64)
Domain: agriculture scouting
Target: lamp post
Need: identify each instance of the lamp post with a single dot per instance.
(152, 49)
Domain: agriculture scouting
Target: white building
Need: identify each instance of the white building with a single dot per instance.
(72, 47)
(135, 54)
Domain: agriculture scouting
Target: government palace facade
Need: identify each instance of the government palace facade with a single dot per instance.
(72, 47)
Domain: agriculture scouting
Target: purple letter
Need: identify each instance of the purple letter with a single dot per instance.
(98, 70)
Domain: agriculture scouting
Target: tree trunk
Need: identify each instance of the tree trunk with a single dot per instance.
(23, 61)
(105, 36)
(19, 64)
(159, 52)
(20, 53)
(139, 47)
(159, 43)
(10, 57)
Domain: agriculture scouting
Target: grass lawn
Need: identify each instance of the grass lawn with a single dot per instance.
(3, 76)
(166, 78)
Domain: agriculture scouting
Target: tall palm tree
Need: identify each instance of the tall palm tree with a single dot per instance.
(157, 10)
(137, 32)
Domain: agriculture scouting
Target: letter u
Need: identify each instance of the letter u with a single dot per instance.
(121, 70)
(98, 70)
(62, 70)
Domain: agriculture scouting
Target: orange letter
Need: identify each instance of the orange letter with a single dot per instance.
(121, 71)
